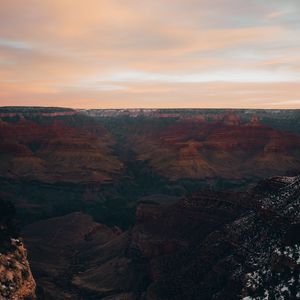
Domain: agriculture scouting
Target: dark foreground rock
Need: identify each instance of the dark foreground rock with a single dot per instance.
(210, 245)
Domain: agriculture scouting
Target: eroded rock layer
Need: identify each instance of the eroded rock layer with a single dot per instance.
(55, 151)
(225, 148)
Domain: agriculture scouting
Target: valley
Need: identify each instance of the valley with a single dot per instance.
(153, 204)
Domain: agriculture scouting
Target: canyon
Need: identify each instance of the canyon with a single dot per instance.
(151, 204)
(225, 148)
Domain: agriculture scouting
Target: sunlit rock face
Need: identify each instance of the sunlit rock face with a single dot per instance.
(225, 148)
(54, 150)
(16, 281)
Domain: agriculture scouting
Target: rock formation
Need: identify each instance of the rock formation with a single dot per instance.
(57, 152)
(228, 149)
(189, 240)
(208, 245)
(234, 248)
(16, 281)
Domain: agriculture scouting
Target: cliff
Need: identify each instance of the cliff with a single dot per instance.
(16, 281)
(227, 148)
(57, 150)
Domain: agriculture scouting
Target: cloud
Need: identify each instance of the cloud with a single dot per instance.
(284, 103)
(67, 50)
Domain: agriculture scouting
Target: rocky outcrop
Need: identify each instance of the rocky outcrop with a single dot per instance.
(16, 281)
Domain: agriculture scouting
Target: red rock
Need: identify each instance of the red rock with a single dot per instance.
(227, 149)
(57, 152)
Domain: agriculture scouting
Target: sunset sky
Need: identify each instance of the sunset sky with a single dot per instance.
(150, 53)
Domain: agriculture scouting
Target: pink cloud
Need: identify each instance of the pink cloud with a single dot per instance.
(67, 51)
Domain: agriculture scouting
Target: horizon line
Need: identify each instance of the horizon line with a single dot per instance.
(145, 108)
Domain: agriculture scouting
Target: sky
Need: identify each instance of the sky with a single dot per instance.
(150, 53)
